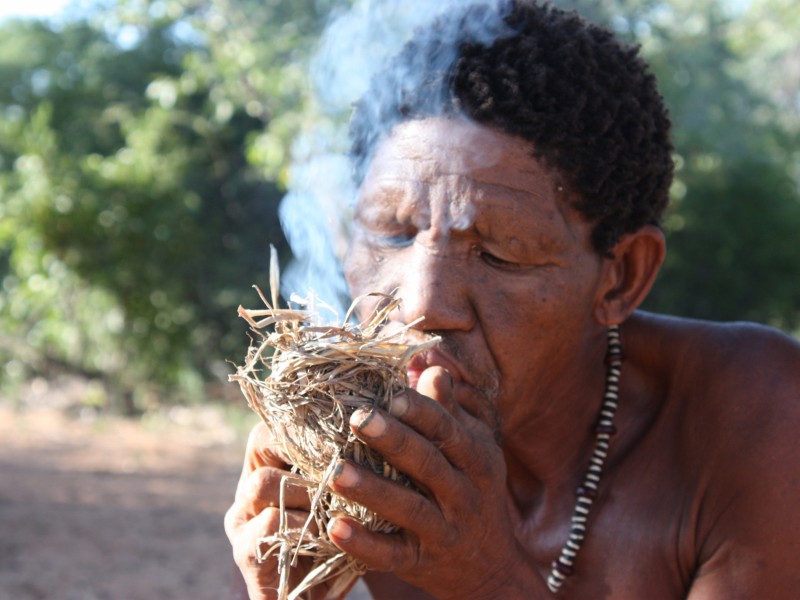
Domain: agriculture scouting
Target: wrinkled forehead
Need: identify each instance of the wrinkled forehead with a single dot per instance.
(465, 166)
(458, 147)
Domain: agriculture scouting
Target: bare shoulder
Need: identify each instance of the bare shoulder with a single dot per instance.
(735, 395)
(743, 380)
(734, 390)
(740, 362)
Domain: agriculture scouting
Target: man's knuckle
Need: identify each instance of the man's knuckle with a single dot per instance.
(231, 520)
(257, 433)
(262, 481)
(482, 463)
(450, 537)
(445, 432)
(430, 467)
(244, 554)
(272, 519)
(427, 516)
(404, 555)
(400, 445)
(242, 557)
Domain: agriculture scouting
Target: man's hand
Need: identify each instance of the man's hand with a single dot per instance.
(457, 538)
(255, 514)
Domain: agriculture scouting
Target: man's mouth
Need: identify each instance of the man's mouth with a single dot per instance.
(431, 358)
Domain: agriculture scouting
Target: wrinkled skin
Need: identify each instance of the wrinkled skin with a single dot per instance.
(479, 238)
(255, 513)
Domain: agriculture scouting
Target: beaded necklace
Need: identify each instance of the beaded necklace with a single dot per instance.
(563, 566)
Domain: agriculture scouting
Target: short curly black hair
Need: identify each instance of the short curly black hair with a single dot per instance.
(587, 103)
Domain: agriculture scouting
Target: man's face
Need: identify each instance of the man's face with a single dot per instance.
(477, 237)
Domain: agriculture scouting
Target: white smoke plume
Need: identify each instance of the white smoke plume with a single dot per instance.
(317, 209)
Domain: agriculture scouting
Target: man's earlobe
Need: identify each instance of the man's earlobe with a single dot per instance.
(629, 275)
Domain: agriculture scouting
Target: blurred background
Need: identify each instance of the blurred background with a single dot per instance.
(145, 146)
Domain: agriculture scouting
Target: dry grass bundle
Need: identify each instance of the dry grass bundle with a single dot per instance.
(317, 377)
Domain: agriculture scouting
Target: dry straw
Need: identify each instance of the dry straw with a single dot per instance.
(305, 380)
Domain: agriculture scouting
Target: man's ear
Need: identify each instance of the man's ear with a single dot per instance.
(629, 274)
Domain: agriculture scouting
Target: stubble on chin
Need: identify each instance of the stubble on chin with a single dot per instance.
(485, 385)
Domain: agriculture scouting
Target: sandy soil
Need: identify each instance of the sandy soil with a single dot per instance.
(113, 509)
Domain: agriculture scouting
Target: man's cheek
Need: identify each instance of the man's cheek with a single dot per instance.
(354, 270)
(368, 271)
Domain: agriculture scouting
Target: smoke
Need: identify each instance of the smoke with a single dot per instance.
(359, 41)
(317, 211)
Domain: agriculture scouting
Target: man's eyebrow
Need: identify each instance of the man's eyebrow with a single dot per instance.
(390, 185)
(516, 209)
(529, 241)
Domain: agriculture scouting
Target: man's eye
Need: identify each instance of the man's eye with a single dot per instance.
(497, 262)
(396, 241)
(390, 240)
(385, 236)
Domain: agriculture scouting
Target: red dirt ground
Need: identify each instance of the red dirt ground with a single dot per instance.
(104, 508)
(114, 509)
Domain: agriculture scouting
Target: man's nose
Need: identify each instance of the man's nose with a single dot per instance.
(434, 284)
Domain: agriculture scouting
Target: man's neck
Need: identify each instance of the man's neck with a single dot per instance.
(548, 454)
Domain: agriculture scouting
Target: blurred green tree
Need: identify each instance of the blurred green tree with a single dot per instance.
(132, 221)
(736, 198)
(145, 145)
(730, 74)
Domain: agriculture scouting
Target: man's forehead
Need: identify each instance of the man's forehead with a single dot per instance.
(429, 149)
(460, 145)
(467, 176)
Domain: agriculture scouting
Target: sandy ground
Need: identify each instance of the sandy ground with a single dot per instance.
(113, 509)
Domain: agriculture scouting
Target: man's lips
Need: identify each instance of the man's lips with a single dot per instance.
(431, 358)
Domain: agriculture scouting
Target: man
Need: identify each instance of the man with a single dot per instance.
(511, 185)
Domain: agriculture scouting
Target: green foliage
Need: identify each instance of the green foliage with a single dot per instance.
(735, 237)
(736, 203)
(736, 196)
(132, 223)
(145, 144)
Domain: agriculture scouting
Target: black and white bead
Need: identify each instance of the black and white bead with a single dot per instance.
(604, 429)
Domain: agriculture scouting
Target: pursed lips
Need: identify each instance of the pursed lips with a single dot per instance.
(432, 358)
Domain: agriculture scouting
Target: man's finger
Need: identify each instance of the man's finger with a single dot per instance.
(403, 506)
(402, 441)
(262, 449)
(428, 456)
(378, 551)
(262, 489)
(464, 402)
(246, 534)
(437, 383)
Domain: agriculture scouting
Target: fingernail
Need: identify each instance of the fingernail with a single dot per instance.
(372, 425)
(398, 405)
(345, 475)
(340, 529)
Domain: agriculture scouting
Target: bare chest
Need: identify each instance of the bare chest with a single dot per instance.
(639, 541)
